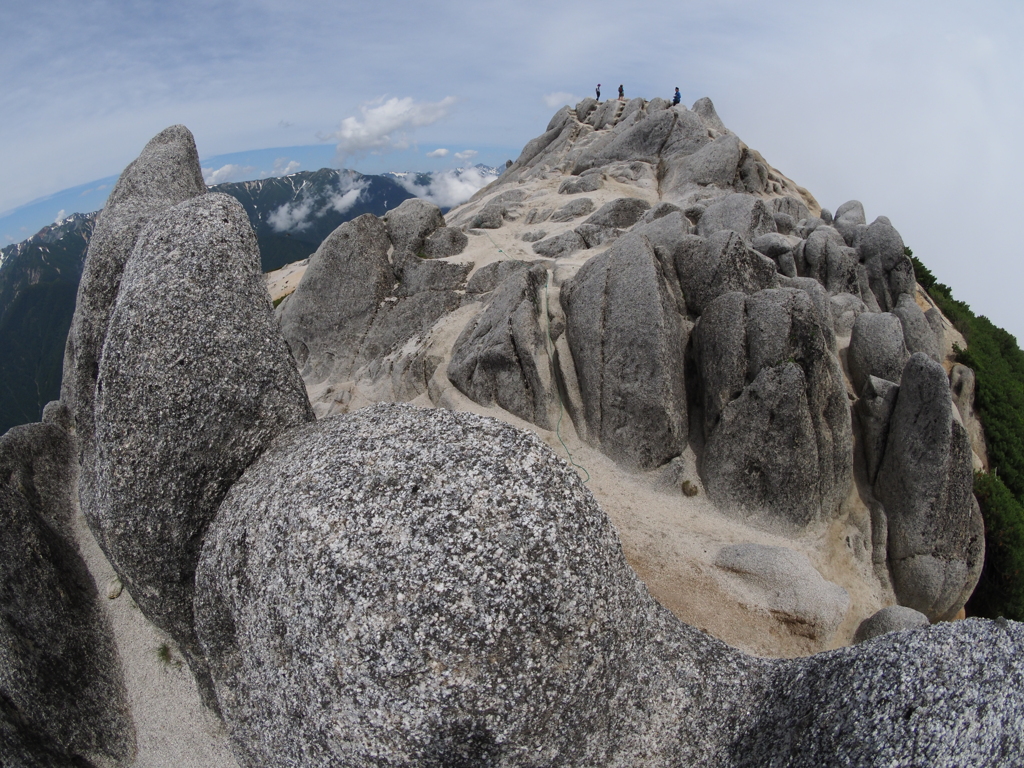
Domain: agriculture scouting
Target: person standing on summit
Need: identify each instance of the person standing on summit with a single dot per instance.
(598, 89)
(677, 97)
(622, 93)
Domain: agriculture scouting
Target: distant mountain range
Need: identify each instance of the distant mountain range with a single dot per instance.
(291, 215)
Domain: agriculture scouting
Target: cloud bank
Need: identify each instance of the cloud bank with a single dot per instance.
(228, 173)
(450, 188)
(301, 214)
(385, 125)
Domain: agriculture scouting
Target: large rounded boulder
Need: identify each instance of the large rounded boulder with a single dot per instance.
(400, 586)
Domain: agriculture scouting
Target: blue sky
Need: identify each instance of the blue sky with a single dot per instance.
(914, 108)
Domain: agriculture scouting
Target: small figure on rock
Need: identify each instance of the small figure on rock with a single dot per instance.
(622, 93)
(598, 90)
(677, 97)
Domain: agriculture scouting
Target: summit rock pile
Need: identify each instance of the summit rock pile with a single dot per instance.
(394, 584)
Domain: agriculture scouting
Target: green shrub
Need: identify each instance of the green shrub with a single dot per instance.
(1000, 592)
(998, 364)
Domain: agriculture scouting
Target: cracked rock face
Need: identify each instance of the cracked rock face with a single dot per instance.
(776, 416)
(628, 341)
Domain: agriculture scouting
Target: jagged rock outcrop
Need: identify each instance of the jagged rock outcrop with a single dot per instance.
(501, 356)
(877, 348)
(407, 607)
(775, 414)
(888, 268)
(356, 304)
(166, 173)
(62, 697)
(745, 215)
(628, 340)
(194, 382)
(874, 410)
(710, 267)
(936, 536)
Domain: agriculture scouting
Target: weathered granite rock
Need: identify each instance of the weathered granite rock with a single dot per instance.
(580, 206)
(665, 232)
(705, 110)
(785, 584)
(347, 279)
(444, 242)
(936, 537)
(846, 308)
(774, 244)
(917, 332)
(167, 172)
(942, 695)
(790, 206)
(657, 211)
(490, 276)
(784, 223)
(894, 618)
(776, 419)
(501, 358)
(825, 257)
(497, 209)
(628, 340)
(889, 270)
(62, 696)
(578, 184)
(708, 268)
(621, 213)
(444, 591)
(874, 410)
(851, 211)
(850, 222)
(194, 383)
(876, 349)
(564, 244)
(411, 223)
(962, 387)
(594, 235)
(746, 215)
(715, 164)
(662, 133)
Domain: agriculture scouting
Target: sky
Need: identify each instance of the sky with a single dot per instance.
(913, 108)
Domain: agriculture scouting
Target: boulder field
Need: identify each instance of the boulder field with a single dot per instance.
(347, 516)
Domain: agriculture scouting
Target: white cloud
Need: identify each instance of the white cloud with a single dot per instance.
(283, 167)
(387, 125)
(60, 215)
(466, 154)
(559, 99)
(300, 215)
(226, 173)
(292, 217)
(342, 202)
(450, 188)
(442, 152)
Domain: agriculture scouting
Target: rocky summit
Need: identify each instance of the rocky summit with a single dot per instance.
(638, 458)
